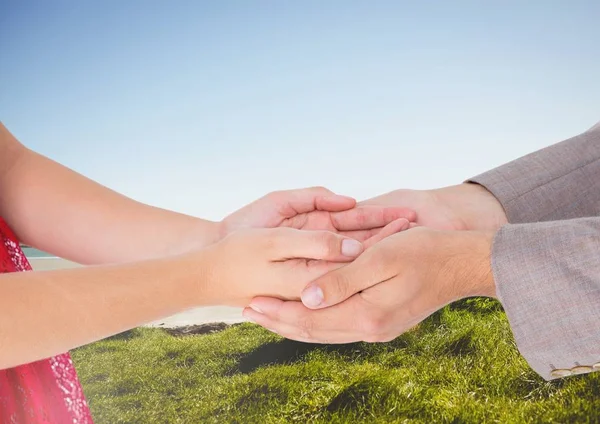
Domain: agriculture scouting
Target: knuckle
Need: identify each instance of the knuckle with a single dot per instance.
(335, 287)
(328, 243)
(362, 217)
(275, 196)
(320, 189)
(333, 243)
(340, 285)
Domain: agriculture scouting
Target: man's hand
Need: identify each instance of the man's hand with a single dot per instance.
(459, 207)
(317, 208)
(389, 289)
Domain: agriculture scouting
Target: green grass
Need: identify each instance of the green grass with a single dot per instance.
(459, 366)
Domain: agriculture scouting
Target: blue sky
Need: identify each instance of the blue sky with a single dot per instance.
(203, 106)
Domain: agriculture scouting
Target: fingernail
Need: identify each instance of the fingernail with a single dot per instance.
(255, 308)
(312, 296)
(351, 248)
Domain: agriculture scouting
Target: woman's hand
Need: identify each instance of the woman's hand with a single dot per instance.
(275, 262)
(318, 208)
(46, 313)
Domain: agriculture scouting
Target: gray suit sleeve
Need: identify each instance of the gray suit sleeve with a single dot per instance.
(546, 262)
(548, 279)
(559, 182)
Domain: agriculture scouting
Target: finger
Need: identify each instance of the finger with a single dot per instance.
(293, 332)
(370, 217)
(297, 275)
(334, 203)
(370, 269)
(388, 230)
(289, 243)
(361, 235)
(338, 324)
(377, 234)
(393, 227)
(293, 202)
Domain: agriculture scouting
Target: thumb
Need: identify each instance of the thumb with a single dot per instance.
(341, 284)
(289, 243)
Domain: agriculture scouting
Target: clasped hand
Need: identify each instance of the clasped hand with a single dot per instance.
(277, 244)
(400, 280)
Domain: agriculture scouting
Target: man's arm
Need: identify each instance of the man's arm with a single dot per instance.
(559, 182)
(547, 277)
(548, 273)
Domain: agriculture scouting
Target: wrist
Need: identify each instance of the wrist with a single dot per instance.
(211, 278)
(473, 270)
(466, 264)
(197, 280)
(477, 208)
(201, 234)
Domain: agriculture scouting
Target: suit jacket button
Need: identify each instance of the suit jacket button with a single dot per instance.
(581, 370)
(560, 373)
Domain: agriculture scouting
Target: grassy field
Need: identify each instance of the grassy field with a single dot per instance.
(459, 366)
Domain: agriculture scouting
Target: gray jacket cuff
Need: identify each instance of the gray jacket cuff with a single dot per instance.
(558, 182)
(548, 279)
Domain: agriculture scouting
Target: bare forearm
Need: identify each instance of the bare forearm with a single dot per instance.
(46, 313)
(60, 211)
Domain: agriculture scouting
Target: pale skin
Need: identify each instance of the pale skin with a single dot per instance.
(401, 280)
(59, 211)
(45, 313)
(150, 262)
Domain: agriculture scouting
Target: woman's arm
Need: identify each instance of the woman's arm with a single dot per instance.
(57, 210)
(46, 313)
(60, 211)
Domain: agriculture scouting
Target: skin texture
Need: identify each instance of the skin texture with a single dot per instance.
(150, 262)
(401, 280)
(287, 259)
(59, 211)
(317, 208)
(46, 313)
(459, 207)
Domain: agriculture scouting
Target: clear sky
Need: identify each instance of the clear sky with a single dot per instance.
(202, 106)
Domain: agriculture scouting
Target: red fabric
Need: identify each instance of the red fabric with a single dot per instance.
(42, 392)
